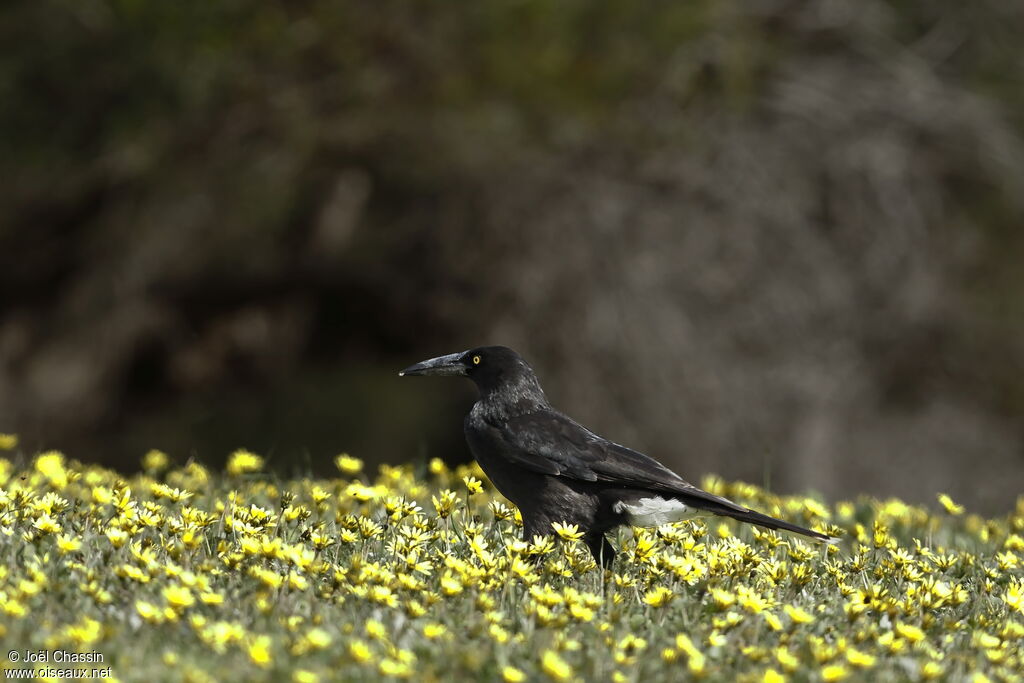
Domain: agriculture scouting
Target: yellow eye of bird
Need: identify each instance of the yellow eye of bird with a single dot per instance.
(476, 360)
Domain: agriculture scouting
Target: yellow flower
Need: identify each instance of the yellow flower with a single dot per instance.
(859, 659)
(363, 493)
(1012, 631)
(695, 657)
(890, 642)
(646, 546)
(541, 545)
(473, 485)
(512, 675)
(910, 632)
(434, 630)
(751, 600)
(798, 615)
(243, 462)
(13, 608)
(211, 598)
(863, 600)
(1007, 561)
(723, 599)
(155, 461)
(318, 638)
(555, 667)
(786, 659)
(773, 676)
(102, 495)
(816, 509)
(570, 532)
(149, 611)
(259, 651)
(348, 465)
(446, 503)
(178, 597)
(68, 544)
(47, 524)
(360, 651)
(450, 585)
(8, 442)
(985, 640)
(304, 676)
(951, 507)
(175, 495)
(51, 466)
(658, 597)
(629, 645)
(300, 583)
(581, 612)
(834, 672)
(1014, 595)
(395, 668)
(85, 633)
(117, 537)
(376, 630)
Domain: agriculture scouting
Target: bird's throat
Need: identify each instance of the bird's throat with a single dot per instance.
(509, 399)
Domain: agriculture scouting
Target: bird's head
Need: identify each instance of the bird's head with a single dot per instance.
(491, 367)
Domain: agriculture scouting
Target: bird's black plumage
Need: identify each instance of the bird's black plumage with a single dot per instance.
(556, 470)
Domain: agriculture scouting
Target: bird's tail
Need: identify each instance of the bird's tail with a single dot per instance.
(702, 500)
(753, 517)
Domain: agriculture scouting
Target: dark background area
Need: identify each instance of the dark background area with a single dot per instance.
(779, 241)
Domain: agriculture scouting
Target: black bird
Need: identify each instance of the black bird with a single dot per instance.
(556, 470)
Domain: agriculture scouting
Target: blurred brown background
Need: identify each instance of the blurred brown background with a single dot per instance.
(776, 240)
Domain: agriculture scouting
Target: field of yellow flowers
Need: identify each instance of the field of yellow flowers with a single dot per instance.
(182, 573)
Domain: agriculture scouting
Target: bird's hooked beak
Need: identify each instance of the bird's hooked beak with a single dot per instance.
(442, 365)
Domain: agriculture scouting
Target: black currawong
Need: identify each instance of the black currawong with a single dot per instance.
(556, 470)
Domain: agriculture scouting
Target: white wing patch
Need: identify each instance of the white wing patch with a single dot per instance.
(653, 511)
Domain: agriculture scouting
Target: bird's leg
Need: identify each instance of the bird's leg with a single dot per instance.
(600, 548)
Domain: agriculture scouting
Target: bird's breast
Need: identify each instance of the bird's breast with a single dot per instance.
(513, 481)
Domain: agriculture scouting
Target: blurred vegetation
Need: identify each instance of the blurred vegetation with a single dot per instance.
(797, 223)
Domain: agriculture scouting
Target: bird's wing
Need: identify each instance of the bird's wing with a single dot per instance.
(551, 443)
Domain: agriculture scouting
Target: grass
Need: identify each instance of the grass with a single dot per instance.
(184, 574)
